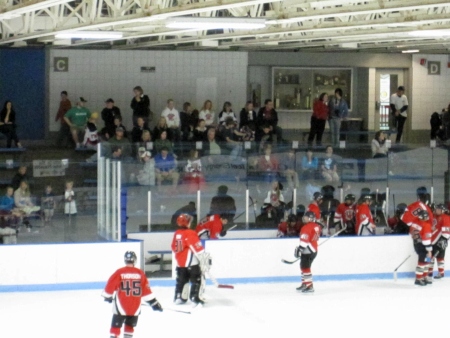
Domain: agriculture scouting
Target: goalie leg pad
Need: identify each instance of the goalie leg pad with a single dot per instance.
(195, 278)
(182, 283)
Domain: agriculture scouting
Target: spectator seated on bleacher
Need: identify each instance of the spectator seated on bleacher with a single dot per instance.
(22, 200)
(268, 165)
(119, 139)
(163, 142)
(200, 132)
(310, 166)
(138, 130)
(160, 128)
(91, 133)
(263, 138)
(146, 175)
(328, 167)
(288, 168)
(231, 138)
(210, 146)
(8, 208)
(193, 177)
(166, 168)
(20, 176)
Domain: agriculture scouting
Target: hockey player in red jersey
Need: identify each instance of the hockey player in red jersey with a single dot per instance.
(364, 221)
(344, 216)
(125, 289)
(211, 227)
(439, 239)
(421, 235)
(314, 205)
(410, 215)
(307, 250)
(189, 256)
(290, 228)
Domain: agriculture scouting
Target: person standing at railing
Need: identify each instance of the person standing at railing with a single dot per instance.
(338, 110)
(318, 119)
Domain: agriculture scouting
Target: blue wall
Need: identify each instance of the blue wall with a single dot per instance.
(22, 81)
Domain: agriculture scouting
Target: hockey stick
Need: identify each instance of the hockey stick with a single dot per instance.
(170, 309)
(403, 262)
(252, 204)
(334, 235)
(328, 219)
(210, 276)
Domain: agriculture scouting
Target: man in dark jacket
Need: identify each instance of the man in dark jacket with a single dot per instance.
(223, 203)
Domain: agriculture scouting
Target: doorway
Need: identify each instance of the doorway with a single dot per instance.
(387, 82)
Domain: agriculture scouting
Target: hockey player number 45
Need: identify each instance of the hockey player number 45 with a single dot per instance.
(131, 287)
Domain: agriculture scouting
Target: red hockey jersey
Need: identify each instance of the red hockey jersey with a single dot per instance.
(363, 218)
(287, 231)
(309, 235)
(421, 231)
(441, 227)
(344, 213)
(210, 227)
(410, 215)
(130, 286)
(184, 241)
(316, 210)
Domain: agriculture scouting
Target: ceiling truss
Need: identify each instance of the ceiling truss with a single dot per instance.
(310, 25)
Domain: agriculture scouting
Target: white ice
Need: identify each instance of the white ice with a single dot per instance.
(370, 308)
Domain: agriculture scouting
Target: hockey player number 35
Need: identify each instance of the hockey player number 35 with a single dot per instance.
(131, 287)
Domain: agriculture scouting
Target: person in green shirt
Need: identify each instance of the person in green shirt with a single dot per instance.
(76, 118)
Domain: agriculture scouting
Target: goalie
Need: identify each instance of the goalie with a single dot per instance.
(191, 261)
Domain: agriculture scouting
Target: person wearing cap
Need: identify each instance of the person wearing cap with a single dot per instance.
(76, 118)
(108, 114)
(399, 107)
(166, 168)
(146, 175)
(63, 139)
(120, 140)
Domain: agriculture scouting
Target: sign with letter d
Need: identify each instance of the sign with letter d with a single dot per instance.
(434, 68)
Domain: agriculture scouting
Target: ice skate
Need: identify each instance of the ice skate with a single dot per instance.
(429, 280)
(179, 301)
(420, 282)
(301, 287)
(308, 289)
(439, 276)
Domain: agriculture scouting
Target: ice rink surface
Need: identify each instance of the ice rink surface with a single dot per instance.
(368, 308)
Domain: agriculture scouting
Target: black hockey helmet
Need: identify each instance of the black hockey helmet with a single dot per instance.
(291, 219)
(366, 197)
(400, 209)
(441, 206)
(130, 257)
(350, 197)
(423, 214)
(317, 196)
(309, 216)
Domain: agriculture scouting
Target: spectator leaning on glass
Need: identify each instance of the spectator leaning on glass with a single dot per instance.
(77, 118)
(338, 110)
(318, 119)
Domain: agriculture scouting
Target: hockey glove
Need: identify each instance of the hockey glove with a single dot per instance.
(442, 244)
(108, 299)
(223, 233)
(298, 252)
(155, 305)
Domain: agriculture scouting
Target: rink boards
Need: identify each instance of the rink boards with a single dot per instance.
(88, 266)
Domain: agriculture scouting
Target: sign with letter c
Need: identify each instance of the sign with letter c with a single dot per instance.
(61, 64)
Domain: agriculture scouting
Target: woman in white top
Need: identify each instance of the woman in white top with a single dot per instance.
(22, 199)
(378, 145)
(227, 111)
(207, 113)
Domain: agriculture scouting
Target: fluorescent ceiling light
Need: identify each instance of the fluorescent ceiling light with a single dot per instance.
(435, 33)
(215, 23)
(89, 35)
(411, 51)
